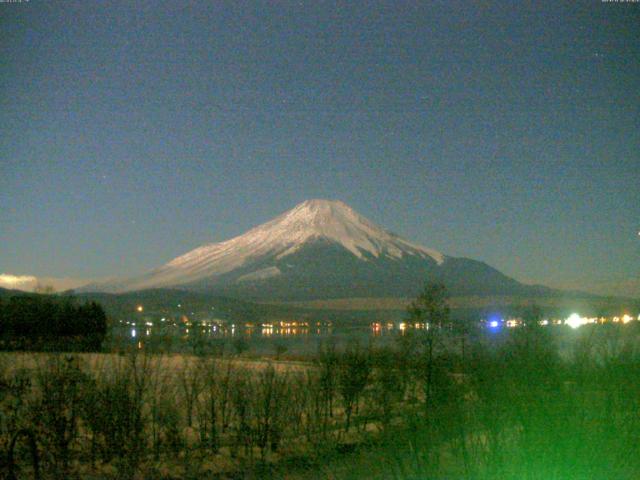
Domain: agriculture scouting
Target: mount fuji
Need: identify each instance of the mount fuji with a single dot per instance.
(320, 249)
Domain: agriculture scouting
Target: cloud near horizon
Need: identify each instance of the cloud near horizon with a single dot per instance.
(30, 283)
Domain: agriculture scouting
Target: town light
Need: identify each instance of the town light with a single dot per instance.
(574, 321)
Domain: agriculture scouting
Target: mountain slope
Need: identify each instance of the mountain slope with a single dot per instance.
(319, 249)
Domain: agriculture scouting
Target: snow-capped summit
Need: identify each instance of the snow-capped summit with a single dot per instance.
(337, 222)
(318, 249)
(312, 220)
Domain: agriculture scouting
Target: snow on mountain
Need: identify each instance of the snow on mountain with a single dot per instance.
(312, 220)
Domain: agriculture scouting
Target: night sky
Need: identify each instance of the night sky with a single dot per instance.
(134, 131)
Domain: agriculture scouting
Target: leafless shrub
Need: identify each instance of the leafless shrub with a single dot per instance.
(209, 405)
(56, 409)
(116, 411)
(190, 379)
(353, 374)
(270, 402)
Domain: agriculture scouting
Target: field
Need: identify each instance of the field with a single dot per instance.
(430, 405)
(587, 304)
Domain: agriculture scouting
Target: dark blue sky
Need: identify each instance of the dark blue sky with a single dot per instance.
(135, 131)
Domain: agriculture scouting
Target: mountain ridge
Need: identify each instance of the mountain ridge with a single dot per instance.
(319, 249)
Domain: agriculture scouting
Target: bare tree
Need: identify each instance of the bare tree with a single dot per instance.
(191, 385)
(431, 309)
(270, 401)
(353, 374)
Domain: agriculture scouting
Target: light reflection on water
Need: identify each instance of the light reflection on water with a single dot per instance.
(260, 338)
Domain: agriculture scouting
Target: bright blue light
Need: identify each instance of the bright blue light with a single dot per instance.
(494, 321)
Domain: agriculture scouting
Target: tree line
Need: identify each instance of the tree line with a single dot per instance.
(44, 322)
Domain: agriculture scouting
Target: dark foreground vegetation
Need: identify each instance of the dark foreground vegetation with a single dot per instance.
(448, 402)
(511, 408)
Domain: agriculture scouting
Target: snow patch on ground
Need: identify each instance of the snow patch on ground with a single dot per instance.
(260, 274)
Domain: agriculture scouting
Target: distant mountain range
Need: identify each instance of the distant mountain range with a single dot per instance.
(320, 249)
